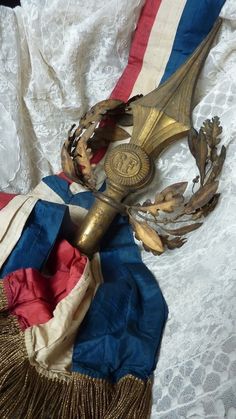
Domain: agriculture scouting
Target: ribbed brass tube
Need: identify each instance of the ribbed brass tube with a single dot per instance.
(98, 220)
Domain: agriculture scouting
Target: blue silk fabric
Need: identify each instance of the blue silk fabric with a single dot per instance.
(197, 20)
(122, 330)
(37, 238)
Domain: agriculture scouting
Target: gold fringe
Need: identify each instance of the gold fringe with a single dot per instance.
(3, 298)
(30, 393)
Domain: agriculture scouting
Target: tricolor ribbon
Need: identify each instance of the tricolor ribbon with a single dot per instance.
(80, 338)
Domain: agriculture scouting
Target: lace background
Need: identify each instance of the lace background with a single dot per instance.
(56, 59)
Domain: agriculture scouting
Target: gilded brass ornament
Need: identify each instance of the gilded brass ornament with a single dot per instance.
(129, 165)
(159, 118)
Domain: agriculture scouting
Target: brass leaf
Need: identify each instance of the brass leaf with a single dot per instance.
(201, 197)
(217, 165)
(111, 133)
(171, 191)
(67, 163)
(175, 188)
(175, 243)
(171, 204)
(183, 230)
(192, 140)
(126, 119)
(133, 99)
(198, 214)
(166, 206)
(122, 114)
(152, 209)
(149, 237)
(213, 154)
(201, 151)
(83, 157)
(212, 130)
(208, 208)
(167, 200)
(97, 111)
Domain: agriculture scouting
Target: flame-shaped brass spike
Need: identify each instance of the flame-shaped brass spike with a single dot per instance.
(164, 115)
(160, 117)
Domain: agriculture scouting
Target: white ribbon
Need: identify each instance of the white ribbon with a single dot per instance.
(14, 215)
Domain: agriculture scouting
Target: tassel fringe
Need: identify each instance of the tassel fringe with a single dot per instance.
(27, 392)
(3, 298)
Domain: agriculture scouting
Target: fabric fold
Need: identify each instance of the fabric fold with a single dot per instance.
(78, 333)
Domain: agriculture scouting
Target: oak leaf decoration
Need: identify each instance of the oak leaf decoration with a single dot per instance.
(208, 208)
(166, 206)
(167, 200)
(174, 243)
(217, 165)
(181, 231)
(125, 120)
(192, 141)
(171, 191)
(98, 127)
(68, 166)
(83, 157)
(201, 151)
(122, 114)
(201, 197)
(212, 130)
(109, 133)
(149, 237)
(96, 113)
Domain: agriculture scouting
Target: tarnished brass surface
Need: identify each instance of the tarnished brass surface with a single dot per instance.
(127, 167)
(160, 118)
(164, 115)
(98, 220)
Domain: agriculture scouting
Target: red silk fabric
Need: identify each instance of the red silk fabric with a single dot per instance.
(124, 87)
(32, 295)
(5, 198)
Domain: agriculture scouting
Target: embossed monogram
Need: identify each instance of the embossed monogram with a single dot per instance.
(126, 163)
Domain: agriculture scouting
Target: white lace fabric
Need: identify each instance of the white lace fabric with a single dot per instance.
(56, 59)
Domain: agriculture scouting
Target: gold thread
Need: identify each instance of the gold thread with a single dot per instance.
(27, 392)
(3, 298)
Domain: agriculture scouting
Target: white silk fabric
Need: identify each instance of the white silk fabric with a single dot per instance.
(50, 345)
(59, 57)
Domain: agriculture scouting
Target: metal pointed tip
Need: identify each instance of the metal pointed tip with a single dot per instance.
(171, 102)
(174, 96)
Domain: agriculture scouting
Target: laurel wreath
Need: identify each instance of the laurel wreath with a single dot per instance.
(152, 222)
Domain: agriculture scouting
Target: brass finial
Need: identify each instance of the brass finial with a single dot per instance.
(160, 117)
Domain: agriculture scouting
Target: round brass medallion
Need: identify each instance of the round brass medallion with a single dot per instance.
(128, 165)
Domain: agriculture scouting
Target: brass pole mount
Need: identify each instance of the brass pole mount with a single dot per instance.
(160, 118)
(128, 167)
